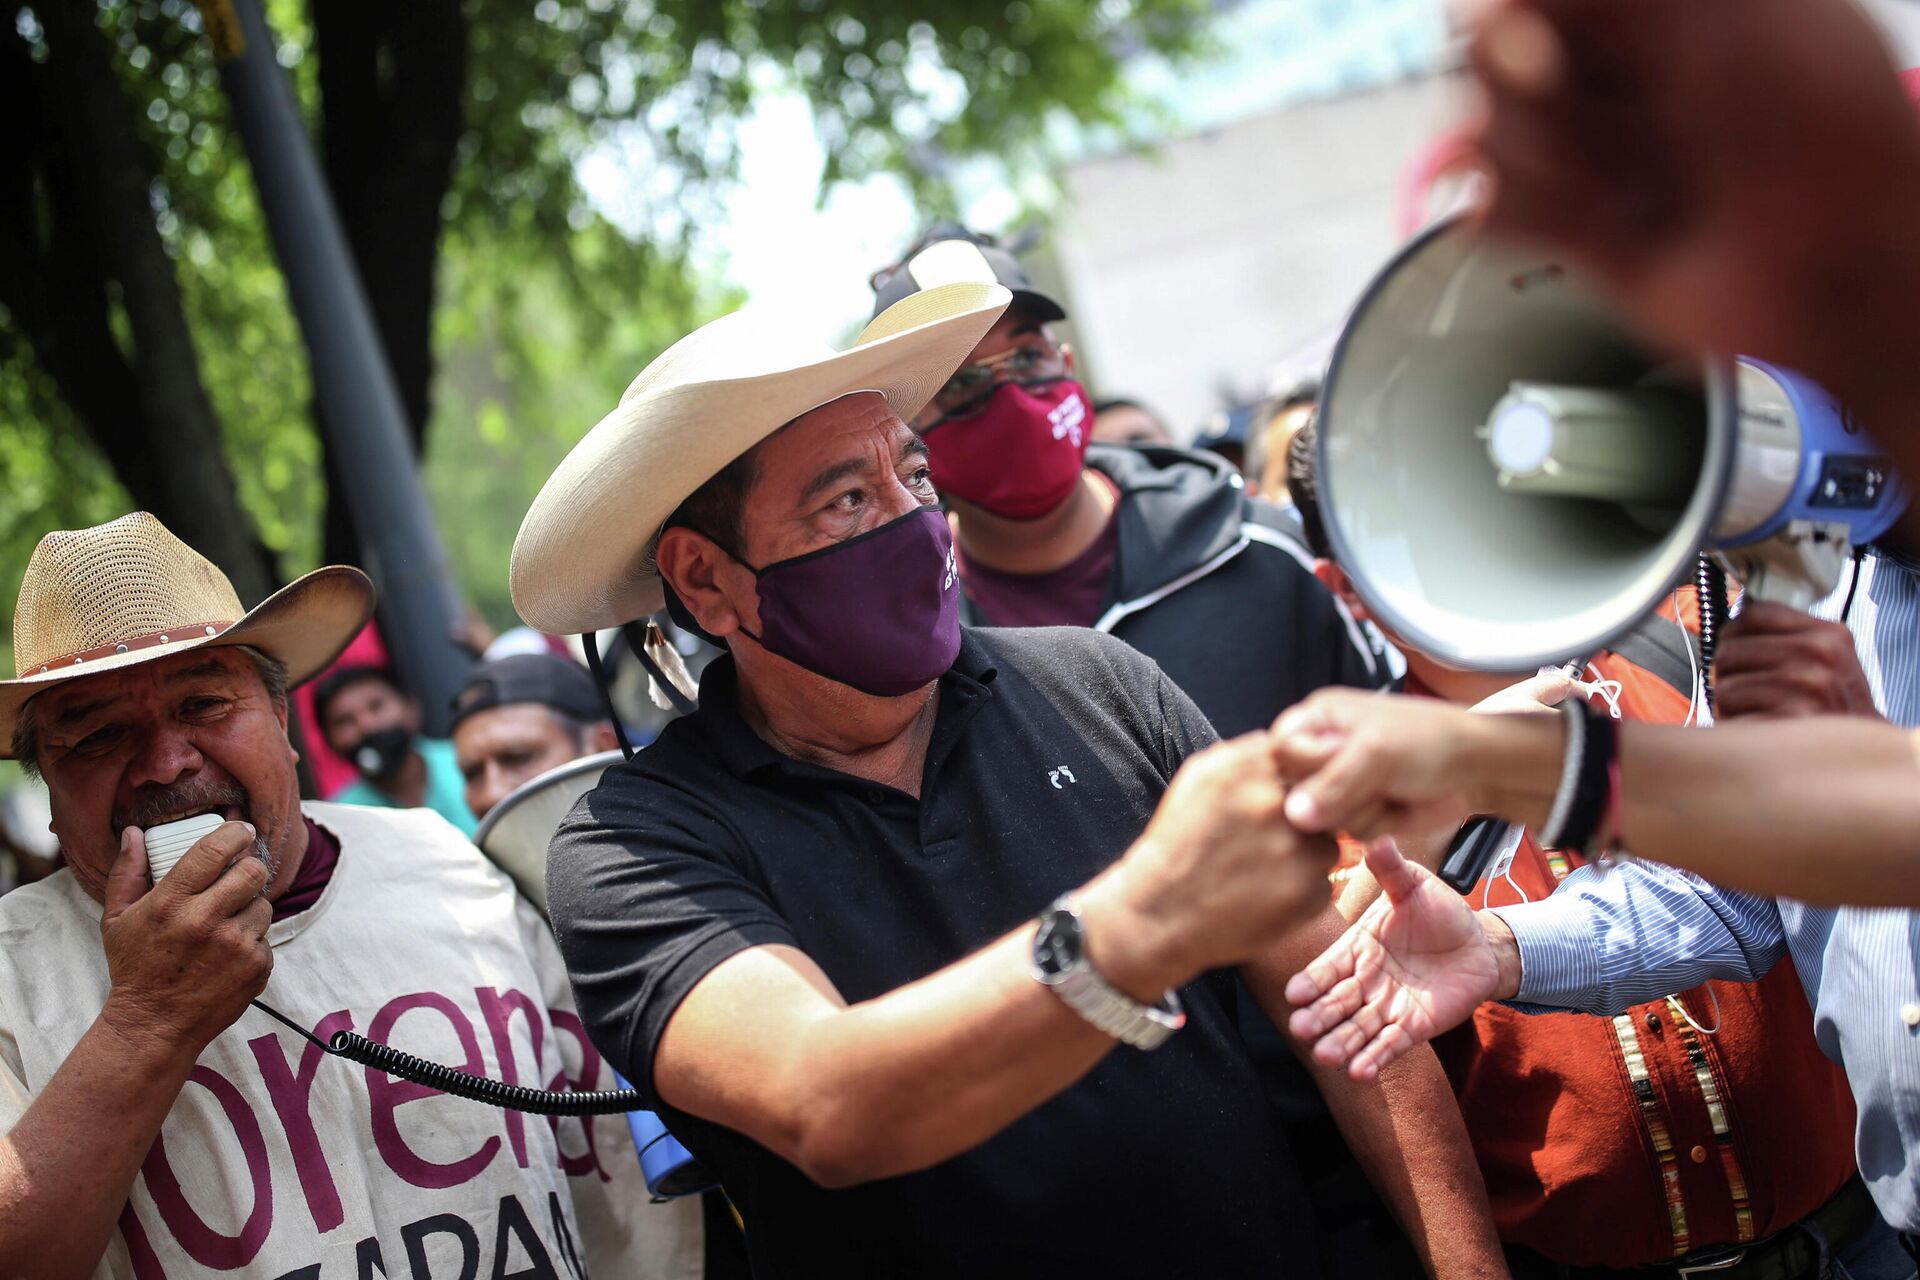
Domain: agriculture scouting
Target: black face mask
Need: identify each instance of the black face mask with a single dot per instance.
(381, 753)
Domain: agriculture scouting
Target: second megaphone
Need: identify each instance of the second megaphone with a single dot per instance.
(1512, 476)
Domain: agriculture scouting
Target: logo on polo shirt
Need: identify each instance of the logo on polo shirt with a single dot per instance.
(1054, 776)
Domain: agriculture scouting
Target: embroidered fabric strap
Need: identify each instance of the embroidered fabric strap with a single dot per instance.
(1643, 1093)
(1696, 1050)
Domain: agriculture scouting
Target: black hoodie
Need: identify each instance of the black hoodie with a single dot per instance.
(1217, 587)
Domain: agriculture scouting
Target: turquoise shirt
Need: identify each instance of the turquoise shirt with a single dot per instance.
(446, 789)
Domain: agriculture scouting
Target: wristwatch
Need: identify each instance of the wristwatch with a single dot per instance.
(1060, 963)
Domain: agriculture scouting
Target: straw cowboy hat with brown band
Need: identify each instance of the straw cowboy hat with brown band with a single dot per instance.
(584, 557)
(128, 591)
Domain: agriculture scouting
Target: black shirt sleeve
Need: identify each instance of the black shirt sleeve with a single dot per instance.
(646, 903)
(1183, 728)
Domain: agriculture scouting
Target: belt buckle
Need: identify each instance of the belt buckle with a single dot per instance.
(1726, 1263)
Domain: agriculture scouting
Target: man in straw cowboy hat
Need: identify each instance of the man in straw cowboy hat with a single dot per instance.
(152, 1122)
(804, 920)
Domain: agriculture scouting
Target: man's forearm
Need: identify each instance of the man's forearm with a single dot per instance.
(1406, 1133)
(67, 1167)
(766, 1045)
(1824, 809)
(934, 1068)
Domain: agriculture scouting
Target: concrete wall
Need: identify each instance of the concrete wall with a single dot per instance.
(1194, 268)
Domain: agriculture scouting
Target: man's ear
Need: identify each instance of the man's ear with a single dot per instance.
(1335, 579)
(283, 712)
(412, 719)
(601, 738)
(700, 573)
(1068, 358)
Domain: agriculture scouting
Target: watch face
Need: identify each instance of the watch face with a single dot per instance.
(1057, 947)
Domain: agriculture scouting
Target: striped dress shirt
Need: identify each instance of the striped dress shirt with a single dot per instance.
(1885, 620)
(1613, 938)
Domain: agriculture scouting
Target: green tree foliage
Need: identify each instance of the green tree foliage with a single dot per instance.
(541, 309)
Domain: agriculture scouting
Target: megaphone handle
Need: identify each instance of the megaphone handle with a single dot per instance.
(1473, 847)
(1797, 567)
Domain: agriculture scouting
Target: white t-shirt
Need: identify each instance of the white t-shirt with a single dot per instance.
(280, 1161)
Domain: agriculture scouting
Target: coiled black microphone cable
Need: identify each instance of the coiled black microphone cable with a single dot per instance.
(1711, 582)
(461, 1084)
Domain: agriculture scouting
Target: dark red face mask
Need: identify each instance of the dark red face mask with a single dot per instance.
(1020, 455)
(880, 611)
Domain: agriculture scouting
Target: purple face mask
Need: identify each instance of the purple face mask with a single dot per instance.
(880, 611)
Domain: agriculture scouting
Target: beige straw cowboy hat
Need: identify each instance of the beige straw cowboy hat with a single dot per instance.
(583, 560)
(128, 591)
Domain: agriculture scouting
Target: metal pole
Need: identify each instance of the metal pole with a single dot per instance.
(362, 416)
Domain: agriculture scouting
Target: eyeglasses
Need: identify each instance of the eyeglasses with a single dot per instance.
(966, 393)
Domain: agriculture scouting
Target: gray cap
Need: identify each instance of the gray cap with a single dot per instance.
(947, 261)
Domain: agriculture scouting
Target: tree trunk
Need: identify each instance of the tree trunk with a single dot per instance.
(146, 409)
(392, 80)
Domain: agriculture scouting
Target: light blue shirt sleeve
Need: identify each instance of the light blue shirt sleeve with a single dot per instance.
(1613, 937)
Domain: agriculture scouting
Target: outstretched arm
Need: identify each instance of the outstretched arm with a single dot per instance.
(1420, 961)
(766, 1045)
(1824, 809)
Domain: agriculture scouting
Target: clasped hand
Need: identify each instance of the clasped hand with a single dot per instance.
(1419, 960)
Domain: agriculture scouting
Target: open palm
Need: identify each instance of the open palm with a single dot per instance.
(1416, 964)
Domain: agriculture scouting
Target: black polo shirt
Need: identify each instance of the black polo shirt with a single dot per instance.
(1050, 749)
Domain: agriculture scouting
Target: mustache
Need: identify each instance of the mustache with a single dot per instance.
(191, 793)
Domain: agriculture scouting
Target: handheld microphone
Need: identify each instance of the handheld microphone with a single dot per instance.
(169, 842)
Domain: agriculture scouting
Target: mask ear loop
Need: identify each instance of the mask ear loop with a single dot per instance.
(1513, 884)
(1681, 1009)
(590, 643)
(1609, 690)
(1486, 890)
(1505, 859)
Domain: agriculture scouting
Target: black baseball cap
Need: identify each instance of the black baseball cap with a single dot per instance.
(552, 681)
(340, 679)
(962, 258)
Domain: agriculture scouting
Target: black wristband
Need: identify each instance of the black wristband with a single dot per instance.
(1592, 784)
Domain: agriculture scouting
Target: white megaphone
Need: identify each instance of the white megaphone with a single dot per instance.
(1512, 477)
(516, 832)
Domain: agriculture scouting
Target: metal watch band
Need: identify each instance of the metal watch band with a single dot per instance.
(1082, 989)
